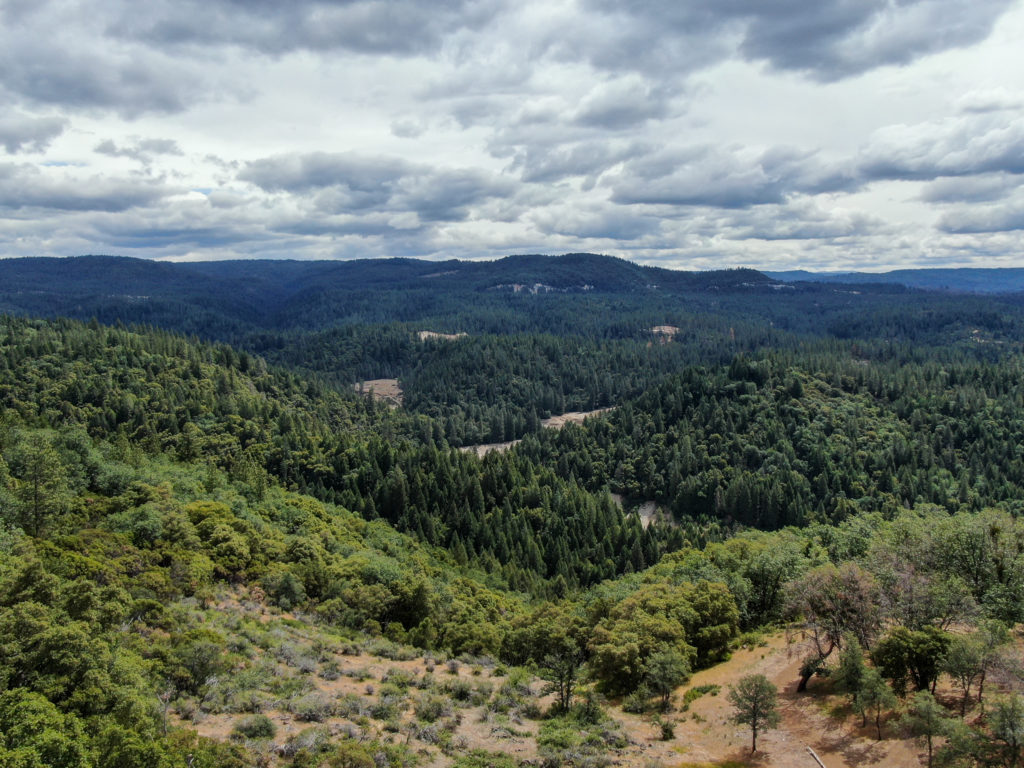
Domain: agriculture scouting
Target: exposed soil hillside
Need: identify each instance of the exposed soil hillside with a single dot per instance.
(324, 688)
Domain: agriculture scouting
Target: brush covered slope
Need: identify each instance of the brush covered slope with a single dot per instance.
(199, 547)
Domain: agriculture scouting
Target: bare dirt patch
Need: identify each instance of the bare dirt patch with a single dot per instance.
(383, 390)
(572, 417)
(426, 335)
(555, 422)
(704, 734)
(485, 448)
(703, 737)
(648, 510)
(665, 333)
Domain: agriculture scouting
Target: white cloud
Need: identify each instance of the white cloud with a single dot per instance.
(763, 132)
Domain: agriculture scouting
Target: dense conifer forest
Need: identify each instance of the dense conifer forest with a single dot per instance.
(204, 521)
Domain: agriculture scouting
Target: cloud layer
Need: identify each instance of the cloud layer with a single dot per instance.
(773, 133)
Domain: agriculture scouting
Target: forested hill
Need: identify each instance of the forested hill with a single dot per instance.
(232, 295)
(538, 335)
(959, 281)
(790, 439)
(157, 394)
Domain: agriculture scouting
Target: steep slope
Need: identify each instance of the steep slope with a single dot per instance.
(214, 405)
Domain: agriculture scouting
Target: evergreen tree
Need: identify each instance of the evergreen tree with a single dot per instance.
(754, 700)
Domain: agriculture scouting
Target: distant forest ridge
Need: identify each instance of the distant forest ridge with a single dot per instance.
(962, 280)
(282, 278)
(259, 285)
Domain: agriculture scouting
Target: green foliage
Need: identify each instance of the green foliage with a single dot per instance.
(312, 708)
(874, 697)
(876, 428)
(554, 638)
(1007, 728)
(144, 478)
(578, 738)
(34, 733)
(904, 656)
(925, 719)
(851, 674)
(754, 700)
(665, 671)
(350, 754)
(430, 707)
(692, 694)
(255, 727)
(479, 758)
(964, 662)
(41, 489)
(202, 404)
(660, 617)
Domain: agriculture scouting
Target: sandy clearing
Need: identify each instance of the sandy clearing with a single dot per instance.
(485, 448)
(705, 733)
(572, 417)
(384, 390)
(648, 510)
(555, 422)
(425, 335)
(665, 333)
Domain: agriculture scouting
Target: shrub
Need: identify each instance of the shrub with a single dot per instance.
(460, 690)
(696, 692)
(312, 708)
(430, 707)
(255, 727)
(310, 740)
(478, 758)
(481, 693)
(350, 705)
(399, 678)
(187, 707)
(330, 670)
(426, 682)
(386, 707)
(637, 701)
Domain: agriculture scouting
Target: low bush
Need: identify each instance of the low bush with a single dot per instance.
(255, 727)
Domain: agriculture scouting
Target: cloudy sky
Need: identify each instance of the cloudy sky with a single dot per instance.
(822, 134)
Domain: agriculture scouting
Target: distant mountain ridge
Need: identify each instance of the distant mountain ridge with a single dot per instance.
(959, 280)
(233, 300)
(261, 292)
(573, 270)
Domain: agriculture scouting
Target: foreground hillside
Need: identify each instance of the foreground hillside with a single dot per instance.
(201, 566)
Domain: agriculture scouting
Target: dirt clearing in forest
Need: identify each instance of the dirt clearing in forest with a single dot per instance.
(425, 335)
(572, 417)
(665, 333)
(704, 734)
(353, 687)
(385, 390)
(555, 422)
